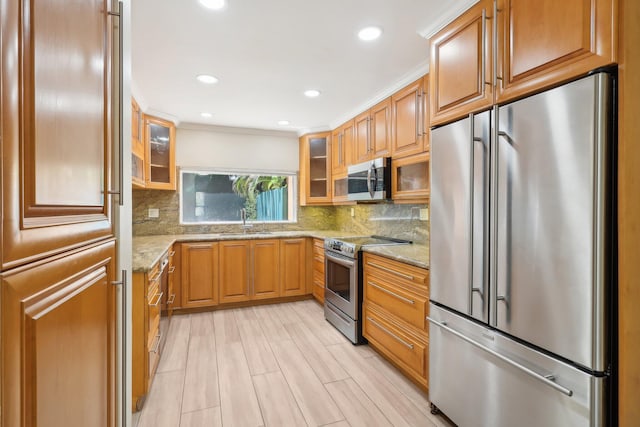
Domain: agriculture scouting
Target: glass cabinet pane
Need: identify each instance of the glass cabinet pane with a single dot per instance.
(318, 167)
(160, 153)
(410, 178)
(413, 177)
(137, 168)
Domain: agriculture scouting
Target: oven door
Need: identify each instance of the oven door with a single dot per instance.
(341, 283)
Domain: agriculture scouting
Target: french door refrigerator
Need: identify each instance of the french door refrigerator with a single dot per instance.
(521, 280)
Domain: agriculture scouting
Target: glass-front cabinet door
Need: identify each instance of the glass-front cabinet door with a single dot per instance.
(410, 178)
(137, 146)
(160, 149)
(315, 169)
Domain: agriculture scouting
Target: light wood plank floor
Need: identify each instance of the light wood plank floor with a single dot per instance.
(276, 365)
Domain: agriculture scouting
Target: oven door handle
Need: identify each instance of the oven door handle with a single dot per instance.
(339, 260)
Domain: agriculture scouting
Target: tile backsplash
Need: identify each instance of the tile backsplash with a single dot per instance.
(386, 219)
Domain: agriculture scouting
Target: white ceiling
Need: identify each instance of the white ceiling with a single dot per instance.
(266, 53)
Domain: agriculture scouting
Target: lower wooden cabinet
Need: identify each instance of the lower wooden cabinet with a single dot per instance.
(153, 297)
(395, 306)
(293, 267)
(318, 270)
(59, 339)
(265, 274)
(249, 269)
(199, 274)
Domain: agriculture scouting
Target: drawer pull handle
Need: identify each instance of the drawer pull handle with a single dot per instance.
(172, 298)
(397, 338)
(156, 277)
(393, 294)
(157, 300)
(397, 273)
(157, 345)
(172, 269)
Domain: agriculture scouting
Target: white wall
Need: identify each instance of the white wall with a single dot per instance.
(236, 148)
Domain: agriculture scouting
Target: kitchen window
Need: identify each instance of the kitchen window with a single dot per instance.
(213, 197)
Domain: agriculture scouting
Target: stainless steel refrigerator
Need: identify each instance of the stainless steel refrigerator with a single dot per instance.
(521, 279)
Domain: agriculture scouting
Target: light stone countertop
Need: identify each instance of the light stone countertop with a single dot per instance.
(417, 255)
(147, 250)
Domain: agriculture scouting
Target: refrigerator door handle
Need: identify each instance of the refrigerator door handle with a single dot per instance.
(546, 379)
(471, 178)
(474, 139)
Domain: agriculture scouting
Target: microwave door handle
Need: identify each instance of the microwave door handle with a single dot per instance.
(372, 178)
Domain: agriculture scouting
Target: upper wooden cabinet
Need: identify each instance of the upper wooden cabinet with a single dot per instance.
(137, 146)
(56, 148)
(372, 133)
(410, 179)
(501, 50)
(315, 169)
(341, 147)
(160, 152)
(460, 65)
(546, 42)
(409, 120)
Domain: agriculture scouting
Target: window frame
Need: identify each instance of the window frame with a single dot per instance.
(292, 192)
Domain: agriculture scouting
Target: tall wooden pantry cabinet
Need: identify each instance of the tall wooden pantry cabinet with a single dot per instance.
(57, 254)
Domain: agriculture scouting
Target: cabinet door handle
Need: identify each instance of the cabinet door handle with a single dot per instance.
(397, 273)
(157, 300)
(157, 344)
(369, 134)
(418, 96)
(483, 71)
(495, 44)
(120, 191)
(171, 299)
(393, 294)
(423, 113)
(172, 253)
(172, 269)
(391, 334)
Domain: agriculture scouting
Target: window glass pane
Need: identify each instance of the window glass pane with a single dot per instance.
(210, 197)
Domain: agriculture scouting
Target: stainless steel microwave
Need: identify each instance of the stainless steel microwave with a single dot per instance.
(370, 180)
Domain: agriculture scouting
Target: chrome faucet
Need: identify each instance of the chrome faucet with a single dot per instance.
(243, 217)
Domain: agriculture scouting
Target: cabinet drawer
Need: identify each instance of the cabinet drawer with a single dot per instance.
(318, 277)
(154, 316)
(408, 306)
(318, 244)
(154, 356)
(318, 266)
(318, 291)
(408, 350)
(413, 278)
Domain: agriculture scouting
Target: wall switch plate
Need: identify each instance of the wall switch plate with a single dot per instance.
(424, 214)
(353, 212)
(154, 213)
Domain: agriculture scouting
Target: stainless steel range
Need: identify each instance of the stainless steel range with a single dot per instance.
(343, 284)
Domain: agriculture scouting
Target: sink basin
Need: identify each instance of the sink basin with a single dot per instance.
(246, 232)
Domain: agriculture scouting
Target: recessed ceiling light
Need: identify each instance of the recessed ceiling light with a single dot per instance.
(369, 33)
(311, 93)
(214, 4)
(206, 115)
(205, 78)
(284, 122)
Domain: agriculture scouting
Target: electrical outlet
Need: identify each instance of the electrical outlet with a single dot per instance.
(154, 213)
(424, 214)
(353, 212)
